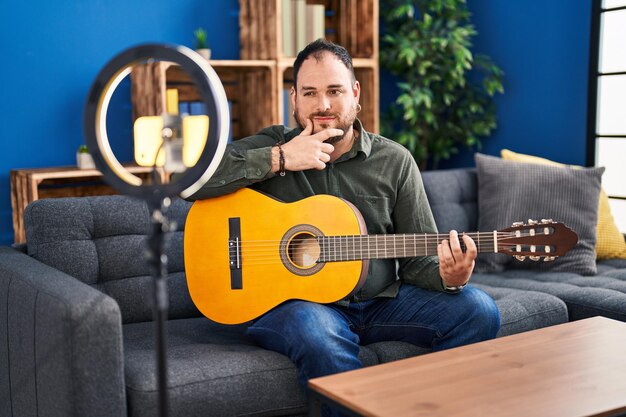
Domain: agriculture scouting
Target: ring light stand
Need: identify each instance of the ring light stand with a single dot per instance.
(157, 195)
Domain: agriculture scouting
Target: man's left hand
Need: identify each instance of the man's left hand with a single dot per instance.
(455, 265)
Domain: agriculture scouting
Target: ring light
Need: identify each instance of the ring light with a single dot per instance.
(212, 93)
(170, 135)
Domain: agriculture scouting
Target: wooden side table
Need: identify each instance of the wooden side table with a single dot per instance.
(28, 185)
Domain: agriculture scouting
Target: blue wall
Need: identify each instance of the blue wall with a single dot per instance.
(543, 48)
(53, 50)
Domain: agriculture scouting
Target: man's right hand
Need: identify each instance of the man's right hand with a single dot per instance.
(307, 150)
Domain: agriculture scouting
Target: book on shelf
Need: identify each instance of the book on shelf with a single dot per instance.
(301, 24)
(299, 30)
(197, 108)
(287, 28)
(289, 120)
(315, 26)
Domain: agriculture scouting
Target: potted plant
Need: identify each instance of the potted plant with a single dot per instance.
(443, 104)
(202, 45)
(84, 159)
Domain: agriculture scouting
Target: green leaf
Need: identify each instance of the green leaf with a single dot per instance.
(428, 20)
(408, 55)
(440, 107)
(423, 67)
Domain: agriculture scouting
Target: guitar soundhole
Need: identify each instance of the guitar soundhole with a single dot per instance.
(300, 250)
(304, 251)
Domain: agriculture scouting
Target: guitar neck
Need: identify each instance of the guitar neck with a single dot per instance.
(349, 248)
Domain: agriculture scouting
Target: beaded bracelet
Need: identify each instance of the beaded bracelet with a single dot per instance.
(281, 160)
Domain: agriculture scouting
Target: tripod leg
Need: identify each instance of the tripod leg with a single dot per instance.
(158, 266)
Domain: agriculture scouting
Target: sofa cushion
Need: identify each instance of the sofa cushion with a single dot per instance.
(212, 367)
(609, 240)
(521, 311)
(513, 191)
(585, 296)
(102, 241)
(452, 195)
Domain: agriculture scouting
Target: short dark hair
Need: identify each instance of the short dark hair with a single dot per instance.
(316, 49)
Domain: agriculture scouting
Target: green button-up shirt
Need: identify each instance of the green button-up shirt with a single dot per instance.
(377, 175)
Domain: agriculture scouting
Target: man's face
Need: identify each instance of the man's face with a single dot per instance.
(326, 95)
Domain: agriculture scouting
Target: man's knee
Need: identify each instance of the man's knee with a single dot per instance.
(303, 324)
(482, 311)
(315, 337)
(317, 324)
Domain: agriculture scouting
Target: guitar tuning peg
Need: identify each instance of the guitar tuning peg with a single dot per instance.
(516, 224)
(531, 222)
(534, 258)
(520, 258)
(546, 221)
(549, 258)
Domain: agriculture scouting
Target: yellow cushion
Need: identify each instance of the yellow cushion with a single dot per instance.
(609, 241)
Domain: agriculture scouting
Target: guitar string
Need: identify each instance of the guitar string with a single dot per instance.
(482, 246)
(357, 249)
(345, 244)
(409, 238)
(354, 243)
(381, 251)
(428, 236)
(275, 259)
(333, 247)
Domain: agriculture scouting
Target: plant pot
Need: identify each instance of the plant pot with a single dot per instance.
(204, 52)
(84, 161)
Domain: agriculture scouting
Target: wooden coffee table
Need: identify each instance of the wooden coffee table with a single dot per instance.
(573, 369)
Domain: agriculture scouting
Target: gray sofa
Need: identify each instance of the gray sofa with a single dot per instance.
(76, 337)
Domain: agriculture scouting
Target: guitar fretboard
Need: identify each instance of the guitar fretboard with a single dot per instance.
(348, 248)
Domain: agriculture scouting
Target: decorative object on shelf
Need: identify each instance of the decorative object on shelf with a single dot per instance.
(83, 158)
(440, 107)
(202, 45)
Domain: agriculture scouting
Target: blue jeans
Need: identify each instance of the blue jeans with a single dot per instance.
(323, 339)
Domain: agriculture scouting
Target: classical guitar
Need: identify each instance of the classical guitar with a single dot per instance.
(245, 252)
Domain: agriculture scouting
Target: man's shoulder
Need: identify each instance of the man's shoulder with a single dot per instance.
(388, 145)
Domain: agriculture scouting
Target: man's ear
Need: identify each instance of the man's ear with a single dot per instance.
(356, 90)
(292, 97)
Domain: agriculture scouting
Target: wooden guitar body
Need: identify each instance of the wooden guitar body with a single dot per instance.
(278, 253)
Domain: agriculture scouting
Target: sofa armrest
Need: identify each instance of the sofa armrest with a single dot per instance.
(60, 341)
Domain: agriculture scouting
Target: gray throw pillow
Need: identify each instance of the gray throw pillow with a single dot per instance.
(514, 191)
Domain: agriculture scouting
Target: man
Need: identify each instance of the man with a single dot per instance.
(423, 300)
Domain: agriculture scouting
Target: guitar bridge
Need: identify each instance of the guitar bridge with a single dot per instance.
(234, 252)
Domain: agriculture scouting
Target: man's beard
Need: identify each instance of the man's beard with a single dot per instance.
(343, 123)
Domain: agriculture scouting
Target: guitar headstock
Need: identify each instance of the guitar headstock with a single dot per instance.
(536, 240)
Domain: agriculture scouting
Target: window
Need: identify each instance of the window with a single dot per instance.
(606, 132)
